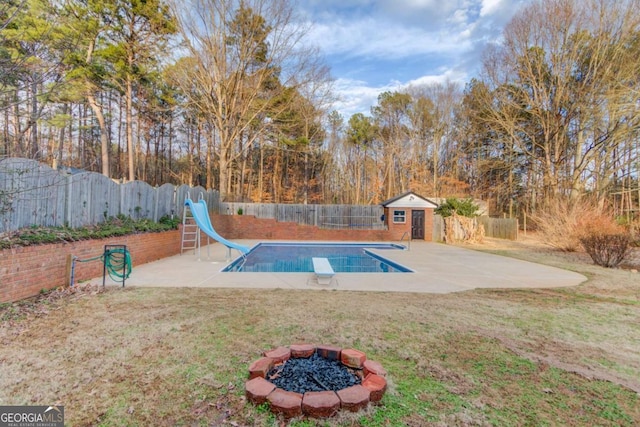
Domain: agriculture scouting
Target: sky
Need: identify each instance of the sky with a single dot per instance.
(373, 46)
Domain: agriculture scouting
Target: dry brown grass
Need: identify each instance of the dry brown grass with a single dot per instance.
(564, 221)
(487, 357)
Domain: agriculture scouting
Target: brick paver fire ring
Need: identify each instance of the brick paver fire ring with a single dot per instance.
(316, 404)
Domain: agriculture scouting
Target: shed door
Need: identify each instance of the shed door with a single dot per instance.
(417, 225)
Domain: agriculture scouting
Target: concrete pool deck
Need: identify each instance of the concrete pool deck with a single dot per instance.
(438, 268)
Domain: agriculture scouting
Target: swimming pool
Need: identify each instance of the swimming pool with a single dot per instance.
(296, 258)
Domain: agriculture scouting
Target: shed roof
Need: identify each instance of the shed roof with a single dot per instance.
(409, 200)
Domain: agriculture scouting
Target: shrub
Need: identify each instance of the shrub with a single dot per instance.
(170, 222)
(462, 207)
(606, 249)
(112, 227)
(564, 221)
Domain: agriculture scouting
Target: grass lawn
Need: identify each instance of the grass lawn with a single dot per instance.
(155, 357)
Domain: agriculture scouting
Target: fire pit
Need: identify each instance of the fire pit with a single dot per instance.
(316, 381)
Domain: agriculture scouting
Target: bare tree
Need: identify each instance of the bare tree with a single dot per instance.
(241, 55)
(391, 115)
(437, 125)
(562, 89)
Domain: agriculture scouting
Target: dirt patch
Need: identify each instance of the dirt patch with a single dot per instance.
(180, 356)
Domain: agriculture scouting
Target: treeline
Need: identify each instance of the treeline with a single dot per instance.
(225, 94)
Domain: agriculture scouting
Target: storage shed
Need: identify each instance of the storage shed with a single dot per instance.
(410, 213)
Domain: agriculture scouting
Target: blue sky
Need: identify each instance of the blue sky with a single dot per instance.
(374, 46)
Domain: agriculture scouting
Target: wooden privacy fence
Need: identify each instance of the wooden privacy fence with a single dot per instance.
(32, 193)
(501, 228)
(323, 216)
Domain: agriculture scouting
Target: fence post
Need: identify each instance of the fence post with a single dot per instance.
(67, 201)
(155, 210)
(121, 188)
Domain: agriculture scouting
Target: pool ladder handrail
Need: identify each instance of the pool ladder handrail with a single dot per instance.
(406, 233)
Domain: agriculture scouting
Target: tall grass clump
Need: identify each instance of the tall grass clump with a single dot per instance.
(563, 221)
(572, 224)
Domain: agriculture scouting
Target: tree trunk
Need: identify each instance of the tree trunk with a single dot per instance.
(261, 176)
(5, 135)
(224, 177)
(104, 136)
(129, 125)
(57, 157)
(209, 161)
(170, 149)
(19, 152)
(33, 120)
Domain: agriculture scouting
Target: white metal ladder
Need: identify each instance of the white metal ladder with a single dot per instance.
(190, 232)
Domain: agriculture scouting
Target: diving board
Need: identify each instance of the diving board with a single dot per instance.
(200, 214)
(324, 271)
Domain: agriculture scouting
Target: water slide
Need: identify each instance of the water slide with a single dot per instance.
(201, 215)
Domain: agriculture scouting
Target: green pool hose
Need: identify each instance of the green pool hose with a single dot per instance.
(118, 263)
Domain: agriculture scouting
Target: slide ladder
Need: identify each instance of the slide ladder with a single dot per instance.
(190, 233)
(200, 214)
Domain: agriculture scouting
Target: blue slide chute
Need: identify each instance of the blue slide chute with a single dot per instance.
(201, 215)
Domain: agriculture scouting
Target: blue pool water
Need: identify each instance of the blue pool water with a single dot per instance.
(296, 258)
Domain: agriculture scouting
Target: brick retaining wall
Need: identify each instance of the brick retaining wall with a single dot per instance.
(235, 227)
(24, 271)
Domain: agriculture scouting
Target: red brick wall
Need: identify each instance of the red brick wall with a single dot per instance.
(400, 229)
(428, 225)
(25, 271)
(249, 227)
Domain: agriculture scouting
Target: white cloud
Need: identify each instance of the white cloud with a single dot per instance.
(372, 38)
(416, 4)
(357, 96)
(490, 6)
(460, 16)
(447, 75)
(374, 42)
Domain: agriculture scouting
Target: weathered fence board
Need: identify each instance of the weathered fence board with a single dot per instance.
(138, 200)
(30, 194)
(181, 194)
(438, 228)
(91, 198)
(502, 228)
(165, 202)
(196, 193)
(323, 216)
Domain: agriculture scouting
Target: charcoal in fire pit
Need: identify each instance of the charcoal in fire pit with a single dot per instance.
(312, 374)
